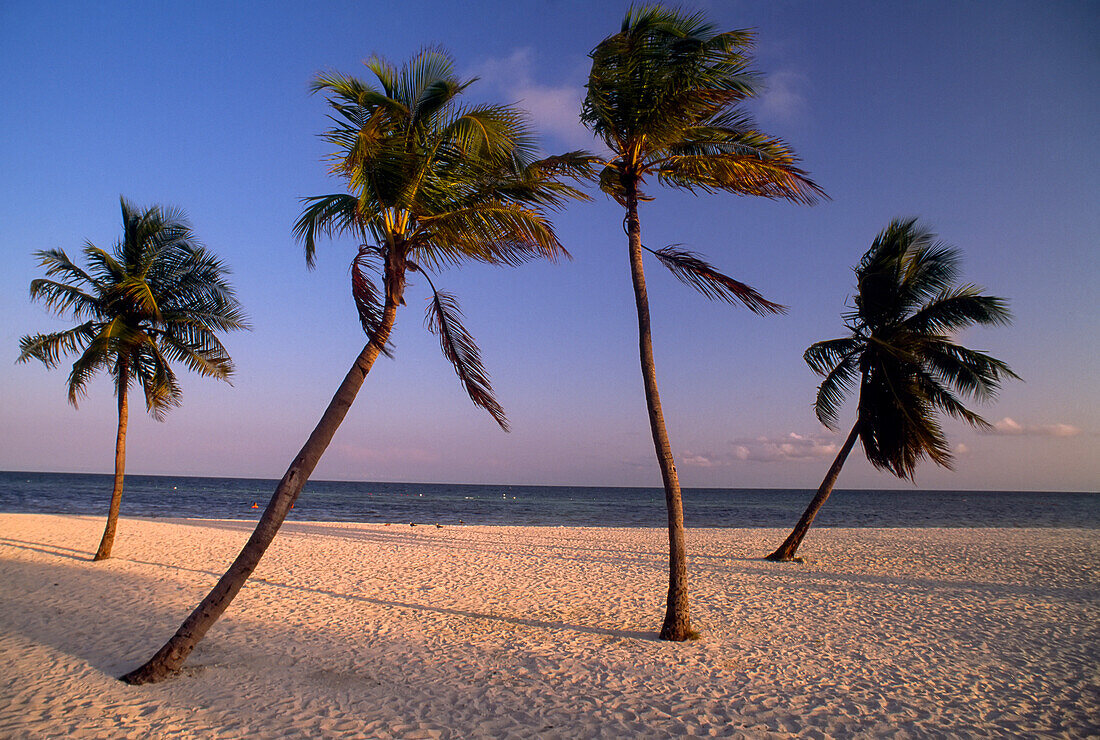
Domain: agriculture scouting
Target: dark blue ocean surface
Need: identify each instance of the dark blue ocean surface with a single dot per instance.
(232, 498)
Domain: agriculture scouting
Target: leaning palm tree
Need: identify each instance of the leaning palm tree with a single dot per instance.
(663, 96)
(907, 307)
(158, 297)
(431, 184)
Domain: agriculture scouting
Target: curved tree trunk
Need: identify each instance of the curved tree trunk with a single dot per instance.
(677, 625)
(108, 540)
(786, 551)
(170, 658)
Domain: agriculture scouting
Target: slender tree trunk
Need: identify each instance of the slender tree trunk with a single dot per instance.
(677, 625)
(168, 660)
(786, 551)
(108, 540)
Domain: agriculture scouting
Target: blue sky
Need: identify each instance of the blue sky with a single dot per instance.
(979, 118)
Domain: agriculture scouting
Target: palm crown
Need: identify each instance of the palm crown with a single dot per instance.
(662, 95)
(158, 297)
(431, 184)
(906, 310)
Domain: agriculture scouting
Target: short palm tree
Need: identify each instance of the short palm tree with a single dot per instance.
(431, 184)
(158, 297)
(663, 96)
(907, 307)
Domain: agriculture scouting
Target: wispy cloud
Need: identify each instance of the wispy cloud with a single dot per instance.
(1011, 428)
(554, 109)
(792, 447)
(783, 98)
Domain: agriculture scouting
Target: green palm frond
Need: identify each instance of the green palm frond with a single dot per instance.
(444, 319)
(102, 266)
(62, 298)
(692, 270)
(328, 215)
(58, 264)
(50, 348)
(158, 381)
(497, 234)
(96, 356)
(200, 350)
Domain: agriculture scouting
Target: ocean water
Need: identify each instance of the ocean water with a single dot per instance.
(424, 503)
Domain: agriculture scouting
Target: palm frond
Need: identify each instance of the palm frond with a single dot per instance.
(50, 348)
(445, 320)
(958, 308)
(497, 234)
(63, 297)
(692, 270)
(57, 263)
(325, 214)
(158, 381)
(898, 425)
(974, 374)
(836, 386)
(366, 296)
(944, 400)
(742, 175)
(97, 355)
(823, 356)
(200, 350)
(102, 266)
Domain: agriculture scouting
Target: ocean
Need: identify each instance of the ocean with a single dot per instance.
(444, 503)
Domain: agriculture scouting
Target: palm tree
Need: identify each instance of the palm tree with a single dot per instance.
(907, 307)
(431, 184)
(158, 297)
(663, 96)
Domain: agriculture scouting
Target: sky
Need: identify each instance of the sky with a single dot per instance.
(979, 118)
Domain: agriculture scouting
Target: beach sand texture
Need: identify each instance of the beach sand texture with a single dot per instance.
(367, 630)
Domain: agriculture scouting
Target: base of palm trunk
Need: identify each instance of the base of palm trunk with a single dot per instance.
(781, 557)
(154, 670)
(146, 675)
(678, 633)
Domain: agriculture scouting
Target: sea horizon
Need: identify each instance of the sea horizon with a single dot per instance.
(655, 487)
(220, 497)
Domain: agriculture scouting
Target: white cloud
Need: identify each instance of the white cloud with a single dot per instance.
(554, 110)
(1011, 428)
(766, 449)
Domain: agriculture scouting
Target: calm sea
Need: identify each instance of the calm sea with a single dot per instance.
(232, 498)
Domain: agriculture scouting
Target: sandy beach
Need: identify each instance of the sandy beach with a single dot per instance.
(369, 630)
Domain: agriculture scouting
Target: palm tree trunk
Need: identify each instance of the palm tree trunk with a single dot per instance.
(108, 540)
(677, 625)
(168, 660)
(786, 551)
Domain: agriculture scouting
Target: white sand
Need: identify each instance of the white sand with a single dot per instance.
(351, 630)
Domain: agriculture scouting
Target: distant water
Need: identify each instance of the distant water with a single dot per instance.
(232, 498)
